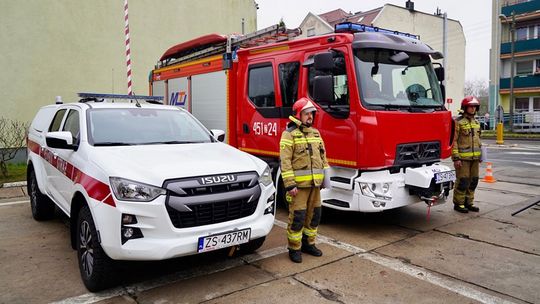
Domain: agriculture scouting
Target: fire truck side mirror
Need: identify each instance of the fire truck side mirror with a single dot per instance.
(323, 89)
(439, 71)
(324, 61)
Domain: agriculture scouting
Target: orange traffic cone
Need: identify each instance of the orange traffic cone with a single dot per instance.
(488, 178)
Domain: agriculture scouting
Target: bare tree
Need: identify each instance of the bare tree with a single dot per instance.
(12, 136)
(477, 88)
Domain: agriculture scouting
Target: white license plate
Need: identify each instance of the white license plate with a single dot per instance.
(223, 240)
(447, 176)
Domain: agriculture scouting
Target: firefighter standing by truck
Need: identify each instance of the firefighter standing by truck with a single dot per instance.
(466, 154)
(303, 160)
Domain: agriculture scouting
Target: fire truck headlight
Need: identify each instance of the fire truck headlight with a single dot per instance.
(266, 177)
(385, 188)
(128, 190)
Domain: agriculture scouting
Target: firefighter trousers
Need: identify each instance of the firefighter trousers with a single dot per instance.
(466, 182)
(304, 217)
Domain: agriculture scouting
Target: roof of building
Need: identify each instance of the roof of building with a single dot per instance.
(335, 15)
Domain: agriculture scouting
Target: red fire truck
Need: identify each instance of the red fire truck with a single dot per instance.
(380, 103)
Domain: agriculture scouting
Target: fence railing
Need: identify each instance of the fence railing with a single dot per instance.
(528, 122)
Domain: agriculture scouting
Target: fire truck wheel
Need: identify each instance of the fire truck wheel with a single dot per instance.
(41, 205)
(95, 266)
(252, 245)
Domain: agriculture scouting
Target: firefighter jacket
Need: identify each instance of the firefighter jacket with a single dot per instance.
(303, 156)
(466, 144)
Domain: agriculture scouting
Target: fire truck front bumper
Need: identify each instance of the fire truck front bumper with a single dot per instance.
(377, 191)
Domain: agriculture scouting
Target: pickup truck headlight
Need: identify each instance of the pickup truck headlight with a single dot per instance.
(266, 177)
(128, 190)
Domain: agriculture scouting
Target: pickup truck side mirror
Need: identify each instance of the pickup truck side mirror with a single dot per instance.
(218, 134)
(60, 140)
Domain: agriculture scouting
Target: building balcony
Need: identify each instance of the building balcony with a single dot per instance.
(520, 7)
(521, 46)
(521, 83)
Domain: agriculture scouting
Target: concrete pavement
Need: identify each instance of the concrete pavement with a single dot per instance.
(393, 257)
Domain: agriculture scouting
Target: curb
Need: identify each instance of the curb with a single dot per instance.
(14, 184)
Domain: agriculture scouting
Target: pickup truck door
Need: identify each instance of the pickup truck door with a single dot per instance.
(50, 157)
(68, 159)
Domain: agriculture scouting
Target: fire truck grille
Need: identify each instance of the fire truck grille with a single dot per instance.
(212, 213)
(417, 153)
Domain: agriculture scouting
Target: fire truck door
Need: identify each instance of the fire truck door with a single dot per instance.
(259, 111)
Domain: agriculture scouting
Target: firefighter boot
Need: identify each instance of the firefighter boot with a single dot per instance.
(461, 208)
(472, 208)
(295, 256)
(310, 249)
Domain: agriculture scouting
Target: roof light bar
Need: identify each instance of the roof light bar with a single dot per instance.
(119, 96)
(349, 27)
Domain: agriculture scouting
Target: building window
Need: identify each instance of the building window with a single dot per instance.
(524, 67)
(536, 104)
(521, 33)
(261, 86)
(311, 32)
(522, 104)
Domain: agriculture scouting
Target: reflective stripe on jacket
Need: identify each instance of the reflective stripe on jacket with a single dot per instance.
(302, 155)
(467, 145)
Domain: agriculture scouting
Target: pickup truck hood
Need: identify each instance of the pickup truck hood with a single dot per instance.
(153, 164)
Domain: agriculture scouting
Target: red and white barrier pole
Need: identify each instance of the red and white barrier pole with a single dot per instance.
(128, 51)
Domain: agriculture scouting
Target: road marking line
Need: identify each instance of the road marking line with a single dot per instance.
(173, 278)
(523, 153)
(14, 203)
(410, 270)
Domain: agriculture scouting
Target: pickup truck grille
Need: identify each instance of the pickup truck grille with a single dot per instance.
(417, 153)
(191, 203)
(211, 213)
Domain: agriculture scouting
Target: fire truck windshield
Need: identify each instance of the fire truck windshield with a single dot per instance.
(389, 85)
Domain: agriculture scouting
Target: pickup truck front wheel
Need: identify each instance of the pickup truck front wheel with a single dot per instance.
(42, 206)
(95, 266)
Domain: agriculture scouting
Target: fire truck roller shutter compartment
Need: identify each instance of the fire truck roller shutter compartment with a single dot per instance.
(209, 99)
(158, 89)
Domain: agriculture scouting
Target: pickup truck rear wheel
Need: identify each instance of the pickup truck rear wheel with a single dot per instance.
(252, 245)
(95, 266)
(42, 206)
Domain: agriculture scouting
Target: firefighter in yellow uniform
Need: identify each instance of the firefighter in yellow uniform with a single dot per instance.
(466, 154)
(303, 160)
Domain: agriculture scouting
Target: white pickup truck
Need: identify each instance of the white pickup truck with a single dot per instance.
(141, 181)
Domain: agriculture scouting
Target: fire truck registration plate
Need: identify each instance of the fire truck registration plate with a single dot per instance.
(447, 176)
(223, 240)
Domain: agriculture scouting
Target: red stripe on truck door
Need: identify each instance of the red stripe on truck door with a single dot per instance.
(96, 189)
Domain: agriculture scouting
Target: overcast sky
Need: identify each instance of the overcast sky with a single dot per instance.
(474, 15)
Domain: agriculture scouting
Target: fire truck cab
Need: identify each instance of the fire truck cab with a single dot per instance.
(380, 107)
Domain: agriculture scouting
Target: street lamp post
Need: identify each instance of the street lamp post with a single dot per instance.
(512, 69)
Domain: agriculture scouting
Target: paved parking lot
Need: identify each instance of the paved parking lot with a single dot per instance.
(392, 257)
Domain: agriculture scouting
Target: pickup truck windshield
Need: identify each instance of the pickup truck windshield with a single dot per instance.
(389, 85)
(136, 126)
